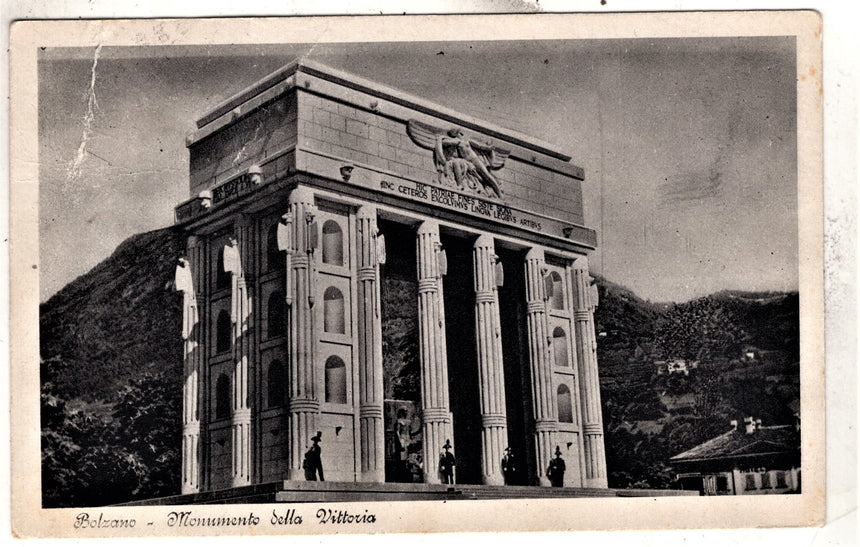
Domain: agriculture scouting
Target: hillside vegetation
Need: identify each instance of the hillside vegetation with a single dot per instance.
(741, 352)
(112, 387)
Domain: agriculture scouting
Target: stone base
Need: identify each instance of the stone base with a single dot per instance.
(333, 492)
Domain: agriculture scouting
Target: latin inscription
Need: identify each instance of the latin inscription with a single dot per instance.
(232, 188)
(460, 202)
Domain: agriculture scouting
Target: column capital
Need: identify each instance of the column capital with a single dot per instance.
(366, 212)
(301, 194)
(580, 264)
(428, 227)
(535, 253)
(485, 240)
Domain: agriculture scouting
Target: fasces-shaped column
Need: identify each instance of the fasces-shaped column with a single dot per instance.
(585, 295)
(304, 405)
(491, 378)
(238, 259)
(432, 347)
(189, 277)
(371, 426)
(540, 364)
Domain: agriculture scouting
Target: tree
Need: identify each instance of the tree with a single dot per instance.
(90, 459)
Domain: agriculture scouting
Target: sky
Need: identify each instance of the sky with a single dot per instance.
(688, 145)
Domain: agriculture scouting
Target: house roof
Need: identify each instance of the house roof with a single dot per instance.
(737, 443)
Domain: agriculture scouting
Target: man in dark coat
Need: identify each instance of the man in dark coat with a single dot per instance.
(555, 471)
(446, 464)
(509, 466)
(313, 459)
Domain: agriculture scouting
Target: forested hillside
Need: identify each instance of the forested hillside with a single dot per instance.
(111, 377)
(112, 361)
(740, 352)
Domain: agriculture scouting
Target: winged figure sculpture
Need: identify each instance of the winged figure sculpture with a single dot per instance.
(461, 160)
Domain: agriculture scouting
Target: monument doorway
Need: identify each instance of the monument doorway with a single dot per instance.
(404, 451)
(518, 396)
(464, 393)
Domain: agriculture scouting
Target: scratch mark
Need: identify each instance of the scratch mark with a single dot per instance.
(240, 155)
(74, 171)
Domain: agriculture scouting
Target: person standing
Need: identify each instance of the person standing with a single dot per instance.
(446, 464)
(509, 466)
(313, 460)
(555, 471)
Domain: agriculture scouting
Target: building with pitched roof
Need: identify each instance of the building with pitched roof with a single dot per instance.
(754, 460)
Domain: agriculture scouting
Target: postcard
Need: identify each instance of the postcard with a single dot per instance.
(349, 275)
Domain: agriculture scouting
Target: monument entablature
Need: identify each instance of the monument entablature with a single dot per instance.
(376, 287)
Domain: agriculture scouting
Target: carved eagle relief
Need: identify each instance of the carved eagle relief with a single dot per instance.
(461, 161)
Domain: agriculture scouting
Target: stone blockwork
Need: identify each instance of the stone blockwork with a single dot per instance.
(375, 140)
(251, 139)
(292, 176)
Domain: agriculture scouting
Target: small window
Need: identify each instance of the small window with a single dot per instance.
(222, 278)
(335, 380)
(275, 384)
(223, 332)
(565, 407)
(722, 484)
(780, 480)
(765, 480)
(332, 244)
(276, 315)
(274, 256)
(750, 482)
(333, 311)
(556, 301)
(222, 397)
(559, 347)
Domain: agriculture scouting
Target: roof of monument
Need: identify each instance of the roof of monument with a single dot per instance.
(284, 77)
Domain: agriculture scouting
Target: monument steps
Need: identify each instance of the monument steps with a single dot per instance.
(346, 492)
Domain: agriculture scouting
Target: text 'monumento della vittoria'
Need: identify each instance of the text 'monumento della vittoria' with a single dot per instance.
(379, 289)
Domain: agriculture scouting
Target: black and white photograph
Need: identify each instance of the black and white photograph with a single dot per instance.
(311, 282)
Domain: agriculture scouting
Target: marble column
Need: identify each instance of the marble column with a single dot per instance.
(371, 395)
(242, 316)
(192, 335)
(432, 348)
(303, 406)
(544, 403)
(585, 300)
(491, 374)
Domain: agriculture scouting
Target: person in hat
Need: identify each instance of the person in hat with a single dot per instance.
(446, 464)
(313, 460)
(509, 466)
(555, 471)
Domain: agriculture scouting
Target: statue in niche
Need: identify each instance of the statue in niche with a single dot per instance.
(460, 160)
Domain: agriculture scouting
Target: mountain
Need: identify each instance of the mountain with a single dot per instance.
(119, 320)
(733, 354)
(112, 360)
(111, 378)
